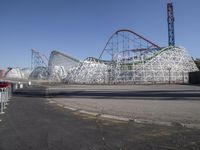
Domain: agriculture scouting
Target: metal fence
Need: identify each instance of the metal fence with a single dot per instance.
(5, 94)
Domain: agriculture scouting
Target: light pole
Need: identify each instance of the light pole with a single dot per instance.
(183, 76)
(109, 70)
(169, 69)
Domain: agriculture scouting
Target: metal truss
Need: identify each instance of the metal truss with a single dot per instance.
(128, 44)
(90, 71)
(59, 65)
(132, 59)
(170, 21)
(127, 58)
(168, 65)
(37, 59)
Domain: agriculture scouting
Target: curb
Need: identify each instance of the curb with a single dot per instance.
(70, 108)
(118, 118)
(89, 113)
(115, 117)
(107, 116)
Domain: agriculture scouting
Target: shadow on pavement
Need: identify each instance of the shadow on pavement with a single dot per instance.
(105, 94)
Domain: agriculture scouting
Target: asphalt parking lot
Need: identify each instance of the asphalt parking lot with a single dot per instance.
(150, 103)
(32, 122)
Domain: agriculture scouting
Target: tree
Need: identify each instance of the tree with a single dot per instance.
(197, 62)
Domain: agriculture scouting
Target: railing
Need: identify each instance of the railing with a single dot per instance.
(5, 94)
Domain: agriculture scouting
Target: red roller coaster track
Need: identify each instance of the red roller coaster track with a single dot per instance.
(151, 44)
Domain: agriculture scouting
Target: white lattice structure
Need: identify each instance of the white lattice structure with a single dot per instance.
(39, 73)
(59, 65)
(90, 71)
(127, 58)
(167, 65)
(170, 64)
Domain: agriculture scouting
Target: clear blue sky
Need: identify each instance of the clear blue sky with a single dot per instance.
(81, 28)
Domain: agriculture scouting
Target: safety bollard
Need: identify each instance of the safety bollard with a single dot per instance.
(9, 91)
(2, 104)
(4, 98)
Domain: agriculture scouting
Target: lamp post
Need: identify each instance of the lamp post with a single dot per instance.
(169, 69)
(183, 76)
(109, 71)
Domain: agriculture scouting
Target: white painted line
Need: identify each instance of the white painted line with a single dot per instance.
(88, 113)
(60, 105)
(137, 121)
(114, 117)
(70, 108)
(48, 99)
(197, 126)
(145, 121)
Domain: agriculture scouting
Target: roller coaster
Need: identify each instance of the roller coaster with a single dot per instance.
(127, 58)
(132, 59)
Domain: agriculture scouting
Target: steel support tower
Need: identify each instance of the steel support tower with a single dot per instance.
(37, 59)
(170, 20)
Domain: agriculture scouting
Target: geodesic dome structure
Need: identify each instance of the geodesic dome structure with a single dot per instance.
(14, 73)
